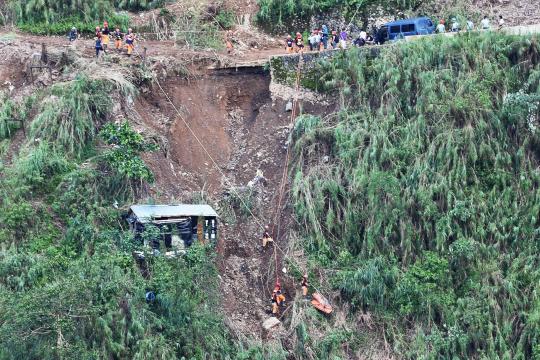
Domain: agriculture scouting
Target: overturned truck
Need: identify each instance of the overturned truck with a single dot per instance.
(179, 225)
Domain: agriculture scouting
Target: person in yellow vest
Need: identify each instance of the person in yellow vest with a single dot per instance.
(278, 299)
(130, 42)
(275, 307)
(105, 36)
(304, 285)
(266, 238)
(229, 41)
(118, 37)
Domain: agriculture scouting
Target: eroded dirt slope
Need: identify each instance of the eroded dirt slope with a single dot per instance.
(244, 131)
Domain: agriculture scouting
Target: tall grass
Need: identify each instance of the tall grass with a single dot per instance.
(432, 165)
(70, 115)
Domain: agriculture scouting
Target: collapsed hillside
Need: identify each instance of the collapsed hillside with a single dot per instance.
(414, 206)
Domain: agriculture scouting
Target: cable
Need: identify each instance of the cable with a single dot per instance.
(287, 159)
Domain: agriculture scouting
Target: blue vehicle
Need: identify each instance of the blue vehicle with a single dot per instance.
(408, 27)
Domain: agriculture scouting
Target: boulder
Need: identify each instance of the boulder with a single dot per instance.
(270, 323)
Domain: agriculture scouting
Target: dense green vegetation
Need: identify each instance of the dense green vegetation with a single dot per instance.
(57, 17)
(428, 203)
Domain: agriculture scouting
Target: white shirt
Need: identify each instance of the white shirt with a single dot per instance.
(485, 24)
(501, 22)
(363, 35)
(455, 26)
(440, 28)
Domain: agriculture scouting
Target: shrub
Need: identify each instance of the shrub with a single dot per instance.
(126, 147)
(7, 117)
(69, 117)
(225, 19)
(39, 167)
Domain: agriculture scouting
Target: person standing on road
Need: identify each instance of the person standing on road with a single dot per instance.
(324, 36)
(456, 27)
(441, 29)
(130, 42)
(118, 37)
(318, 39)
(73, 35)
(485, 24)
(98, 46)
(343, 39)
(335, 39)
(289, 43)
(312, 41)
(105, 36)
(299, 41)
(380, 35)
(501, 22)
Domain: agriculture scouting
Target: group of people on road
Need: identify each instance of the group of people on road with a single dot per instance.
(319, 40)
(455, 26)
(323, 39)
(103, 37)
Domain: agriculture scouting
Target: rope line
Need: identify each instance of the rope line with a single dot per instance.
(282, 186)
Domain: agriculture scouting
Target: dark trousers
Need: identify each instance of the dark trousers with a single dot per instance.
(325, 42)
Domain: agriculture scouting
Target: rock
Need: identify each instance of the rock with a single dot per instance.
(270, 323)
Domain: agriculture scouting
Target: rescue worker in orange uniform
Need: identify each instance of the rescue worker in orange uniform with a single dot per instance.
(266, 238)
(275, 307)
(118, 36)
(278, 299)
(105, 36)
(304, 285)
(228, 41)
(130, 42)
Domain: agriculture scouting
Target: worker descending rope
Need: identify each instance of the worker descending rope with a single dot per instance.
(266, 238)
(278, 299)
(304, 285)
